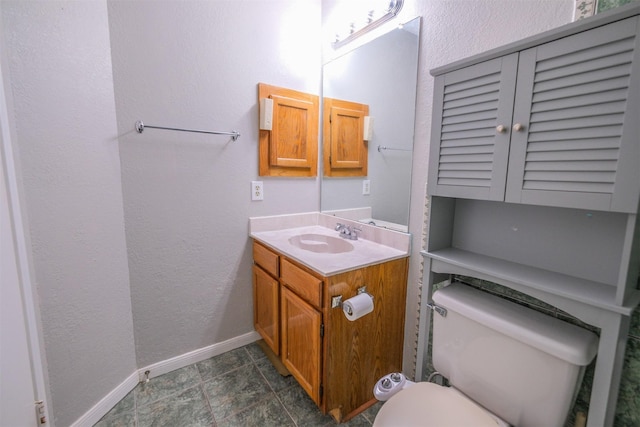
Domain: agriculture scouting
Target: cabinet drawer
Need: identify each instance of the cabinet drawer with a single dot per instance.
(266, 259)
(307, 286)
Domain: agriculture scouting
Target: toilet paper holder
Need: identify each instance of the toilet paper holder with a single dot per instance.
(336, 301)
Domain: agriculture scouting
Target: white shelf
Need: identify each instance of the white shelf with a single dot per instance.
(525, 278)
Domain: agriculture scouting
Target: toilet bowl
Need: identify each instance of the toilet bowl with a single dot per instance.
(428, 404)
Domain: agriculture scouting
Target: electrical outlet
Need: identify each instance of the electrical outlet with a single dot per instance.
(366, 187)
(257, 190)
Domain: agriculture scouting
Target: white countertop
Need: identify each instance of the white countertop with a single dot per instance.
(364, 253)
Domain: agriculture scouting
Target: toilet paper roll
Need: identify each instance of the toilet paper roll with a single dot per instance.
(358, 306)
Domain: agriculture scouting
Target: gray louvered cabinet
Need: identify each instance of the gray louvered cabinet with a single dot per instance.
(555, 124)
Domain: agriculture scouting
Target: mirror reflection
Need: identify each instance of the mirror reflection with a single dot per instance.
(381, 74)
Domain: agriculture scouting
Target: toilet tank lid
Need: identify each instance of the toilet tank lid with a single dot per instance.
(553, 336)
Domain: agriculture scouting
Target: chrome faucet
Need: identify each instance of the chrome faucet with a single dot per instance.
(347, 231)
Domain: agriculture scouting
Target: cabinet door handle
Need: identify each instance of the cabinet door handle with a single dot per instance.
(518, 127)
(501, 128)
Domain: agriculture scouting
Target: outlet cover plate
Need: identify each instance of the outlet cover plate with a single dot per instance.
(366, 187)
(257, 190)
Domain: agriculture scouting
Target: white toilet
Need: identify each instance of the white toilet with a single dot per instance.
(507, 365)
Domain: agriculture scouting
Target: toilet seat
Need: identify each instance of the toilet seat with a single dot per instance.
(428, 404)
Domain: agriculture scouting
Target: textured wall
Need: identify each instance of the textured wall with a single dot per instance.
(187, 200)
(66, 142)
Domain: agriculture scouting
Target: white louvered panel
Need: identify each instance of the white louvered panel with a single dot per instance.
(576, 120)
(468, 131)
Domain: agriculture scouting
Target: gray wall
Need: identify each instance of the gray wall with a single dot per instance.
(66, 143)
(187, 196)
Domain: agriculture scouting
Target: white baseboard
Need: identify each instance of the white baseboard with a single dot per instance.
(198, 355)
(101, 408)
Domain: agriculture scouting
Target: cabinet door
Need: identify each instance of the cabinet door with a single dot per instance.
(578, 143)
(469, 153)
(290, 148)
(293, 121)
(345, 150)
(301, 342)
(266, 308)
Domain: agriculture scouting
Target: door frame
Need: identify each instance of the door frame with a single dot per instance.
(21, 245)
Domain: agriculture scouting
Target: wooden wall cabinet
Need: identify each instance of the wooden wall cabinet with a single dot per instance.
(549, 125)
(336, 361)
(345, 151)
(290, 148)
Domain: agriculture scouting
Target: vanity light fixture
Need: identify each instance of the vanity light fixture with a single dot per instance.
(370, 22)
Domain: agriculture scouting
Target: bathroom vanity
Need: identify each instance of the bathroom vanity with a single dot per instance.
(534, 181)
(298, 291)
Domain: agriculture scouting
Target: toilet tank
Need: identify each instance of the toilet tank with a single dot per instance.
(522, 365)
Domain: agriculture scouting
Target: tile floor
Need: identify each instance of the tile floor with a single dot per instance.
(237, 388)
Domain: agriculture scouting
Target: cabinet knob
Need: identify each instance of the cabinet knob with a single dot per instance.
(518, 127)
(501, 128)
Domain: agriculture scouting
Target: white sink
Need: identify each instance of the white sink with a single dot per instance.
(321, 243)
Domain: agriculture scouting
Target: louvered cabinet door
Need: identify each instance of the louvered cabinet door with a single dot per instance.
(578, 141)
(471, 130)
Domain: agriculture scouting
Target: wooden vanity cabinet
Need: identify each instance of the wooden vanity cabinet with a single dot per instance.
(336, 361)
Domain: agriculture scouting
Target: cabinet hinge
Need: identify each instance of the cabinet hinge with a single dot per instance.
(322, 330)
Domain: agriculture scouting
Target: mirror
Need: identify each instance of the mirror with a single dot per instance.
(382, 74)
